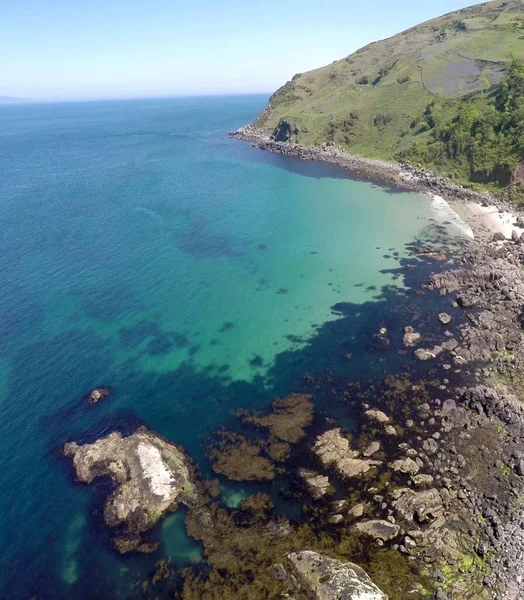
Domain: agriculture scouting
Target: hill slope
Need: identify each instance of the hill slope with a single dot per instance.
(368, 102)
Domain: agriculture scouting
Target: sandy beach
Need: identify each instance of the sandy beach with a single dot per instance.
(487, 220)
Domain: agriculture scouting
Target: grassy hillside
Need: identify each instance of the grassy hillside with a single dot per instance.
(368, 102)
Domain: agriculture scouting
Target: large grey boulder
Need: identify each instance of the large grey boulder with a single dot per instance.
(151, 477)
(378, 529)
(325, 578)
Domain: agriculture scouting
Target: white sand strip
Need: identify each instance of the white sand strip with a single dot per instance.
(492, 220)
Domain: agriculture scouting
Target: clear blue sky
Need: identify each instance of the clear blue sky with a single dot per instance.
(74, 49)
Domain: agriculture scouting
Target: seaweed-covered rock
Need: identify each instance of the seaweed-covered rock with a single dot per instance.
(334, 450)
(287, 420)
(324, 578)
(240, 458)
(152, 476)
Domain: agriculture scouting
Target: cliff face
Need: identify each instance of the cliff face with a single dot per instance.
(366, 103)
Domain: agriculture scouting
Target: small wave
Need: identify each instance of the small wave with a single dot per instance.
(445, 213)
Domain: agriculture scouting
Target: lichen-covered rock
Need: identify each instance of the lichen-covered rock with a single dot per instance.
(324, 578)
(378, 529)
(334, 450)
(152, 476)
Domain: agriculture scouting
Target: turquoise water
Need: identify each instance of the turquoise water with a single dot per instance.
(141, 248)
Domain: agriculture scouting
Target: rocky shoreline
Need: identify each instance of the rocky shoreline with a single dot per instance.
(399, 175)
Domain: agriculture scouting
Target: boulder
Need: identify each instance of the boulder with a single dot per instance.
(499, 237)
(334, 450)
(373, 448)
(317, 484)
(376, 415)
(444, 318)
(357, 510)
(378, 529)
(405, 465)
(325, 578)
(425, 354)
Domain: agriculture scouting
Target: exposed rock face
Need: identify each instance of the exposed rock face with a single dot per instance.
(283, 131)
(333, 449)
(324, 578)
(152, 477)
(378, 529)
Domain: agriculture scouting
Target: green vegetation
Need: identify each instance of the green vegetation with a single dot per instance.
(478, 137)
(439, 93)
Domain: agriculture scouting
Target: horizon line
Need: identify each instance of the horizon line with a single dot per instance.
(17, 101)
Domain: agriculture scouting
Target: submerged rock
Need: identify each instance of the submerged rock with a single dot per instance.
(334, 450)
(240, 458)
(152, 476)
(411, 337)
(287, 420)
(324, 578)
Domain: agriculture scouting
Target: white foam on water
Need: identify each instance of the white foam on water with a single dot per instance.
(446, 214)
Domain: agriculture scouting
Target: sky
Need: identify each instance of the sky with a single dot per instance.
(93, 49)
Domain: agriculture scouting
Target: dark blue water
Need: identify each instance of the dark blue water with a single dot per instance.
(140, 248)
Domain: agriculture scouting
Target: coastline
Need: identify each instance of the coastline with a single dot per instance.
(484, 213)
(482, 419)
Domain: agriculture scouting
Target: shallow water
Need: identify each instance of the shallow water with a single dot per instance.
(142, 249)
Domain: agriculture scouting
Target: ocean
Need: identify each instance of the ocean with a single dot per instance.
(142, 249)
